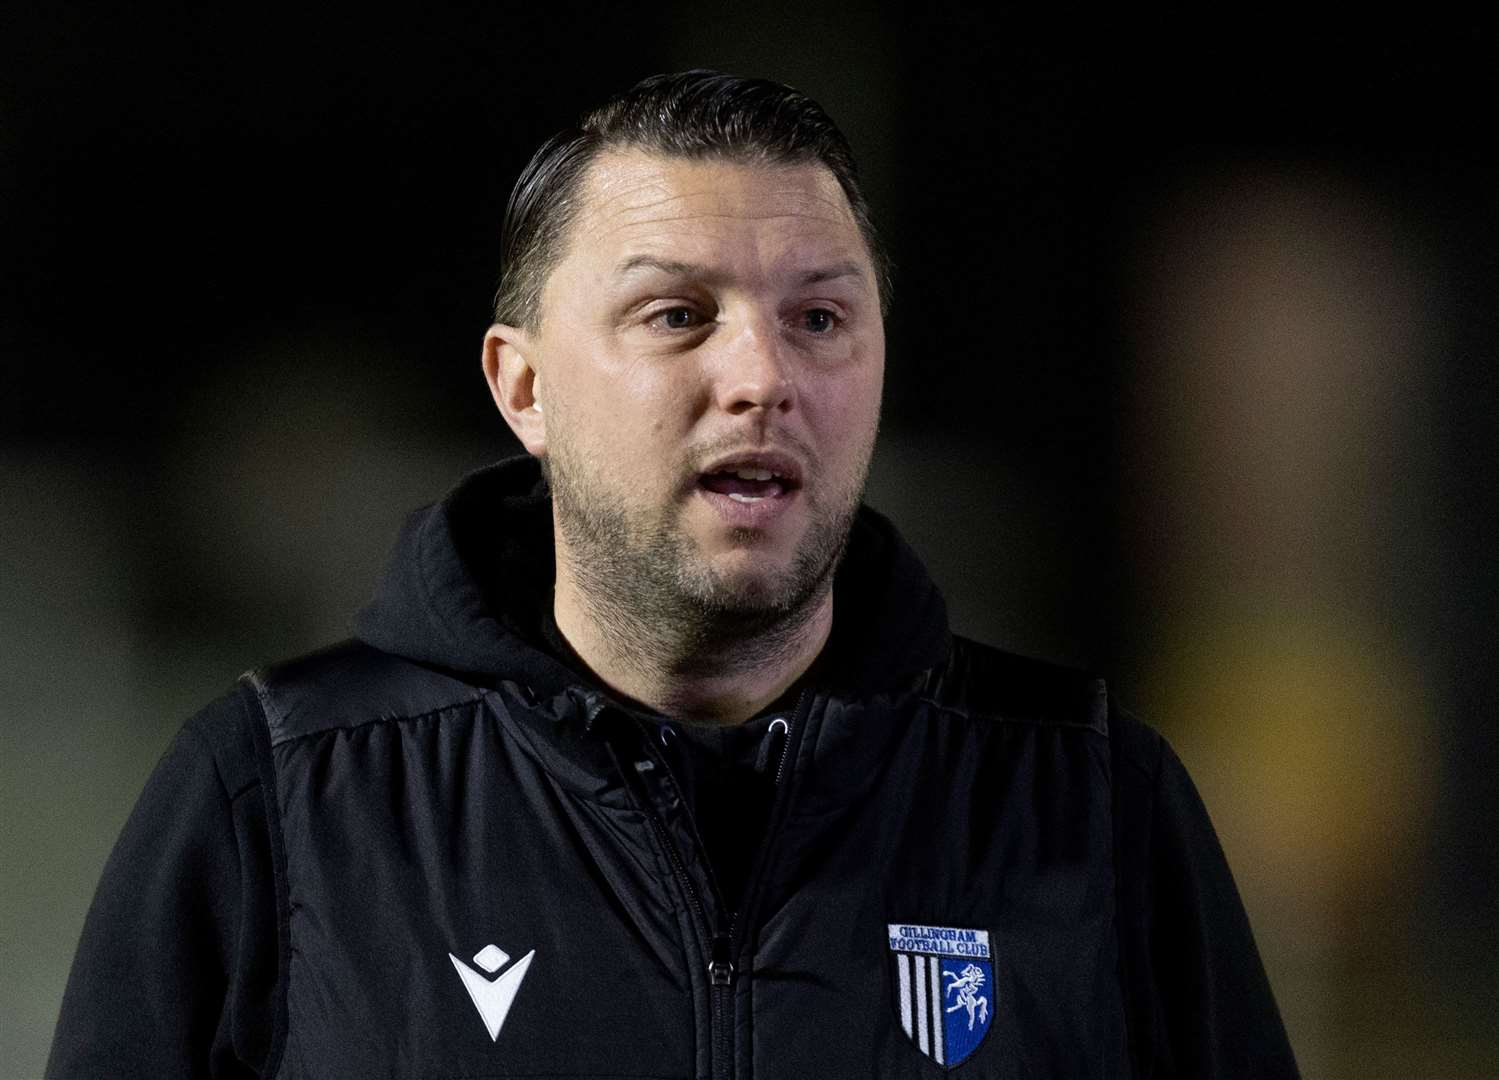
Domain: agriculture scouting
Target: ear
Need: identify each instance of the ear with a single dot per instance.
(515, 384)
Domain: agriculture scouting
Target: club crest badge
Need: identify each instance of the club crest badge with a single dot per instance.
(944, 984)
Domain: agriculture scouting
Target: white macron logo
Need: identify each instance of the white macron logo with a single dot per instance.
(493, 997)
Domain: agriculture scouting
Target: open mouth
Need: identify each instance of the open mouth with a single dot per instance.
(753, 477)
(746, 485)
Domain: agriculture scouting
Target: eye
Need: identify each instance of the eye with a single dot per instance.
(819, 321)
(676, 318)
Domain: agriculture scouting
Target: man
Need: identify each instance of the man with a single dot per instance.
(655, 756)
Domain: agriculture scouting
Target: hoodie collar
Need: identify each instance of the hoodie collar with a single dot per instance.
(470, 579)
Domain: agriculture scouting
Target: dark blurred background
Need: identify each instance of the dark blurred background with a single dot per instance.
(1192, 381)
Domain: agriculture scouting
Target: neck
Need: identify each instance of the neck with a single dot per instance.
(721, 670)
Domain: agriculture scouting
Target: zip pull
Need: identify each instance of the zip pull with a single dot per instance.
(773, 746)
(721, 966)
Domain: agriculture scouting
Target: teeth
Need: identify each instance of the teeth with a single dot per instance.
(753, 474)
(746, 498)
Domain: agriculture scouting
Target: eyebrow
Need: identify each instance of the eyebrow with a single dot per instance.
(677, 268)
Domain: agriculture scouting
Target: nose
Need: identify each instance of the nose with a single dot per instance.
(755, 371)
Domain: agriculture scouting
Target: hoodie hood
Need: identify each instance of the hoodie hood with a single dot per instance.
(469, 585)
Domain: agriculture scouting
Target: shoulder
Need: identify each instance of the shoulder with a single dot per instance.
(982, 682)
(348, 685)
(1139, 750)
(216, 745)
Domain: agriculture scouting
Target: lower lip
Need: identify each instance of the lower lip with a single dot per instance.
(749, 515)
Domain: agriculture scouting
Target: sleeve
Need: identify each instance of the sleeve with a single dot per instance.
(176, 970)
(1198, 1000)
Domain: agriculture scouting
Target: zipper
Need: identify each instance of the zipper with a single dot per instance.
(726, 942)
(720, 955)
(730, 944)
(679, 869)
(720, 968)
(721, 1004)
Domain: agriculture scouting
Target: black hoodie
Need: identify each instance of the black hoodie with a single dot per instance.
(445, 850)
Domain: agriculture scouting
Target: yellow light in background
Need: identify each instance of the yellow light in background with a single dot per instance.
(1284, 318)
(1317, 733)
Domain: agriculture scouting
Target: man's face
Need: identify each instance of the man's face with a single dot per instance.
(710, 356)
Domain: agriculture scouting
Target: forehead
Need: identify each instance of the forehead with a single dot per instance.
(634, 203)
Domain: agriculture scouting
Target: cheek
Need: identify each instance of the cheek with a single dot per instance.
(666, 402)
(846, 412)
(624, 403)
(642, 426)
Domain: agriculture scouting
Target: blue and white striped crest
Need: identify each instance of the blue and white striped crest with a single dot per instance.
(944, 988)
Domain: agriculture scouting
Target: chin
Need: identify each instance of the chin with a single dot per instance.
(755, 587)
(752, 564)
(760, 573)
(748, 586)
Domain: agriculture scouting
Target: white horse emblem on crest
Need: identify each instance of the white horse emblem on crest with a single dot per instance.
(967, 984)
(948, 989)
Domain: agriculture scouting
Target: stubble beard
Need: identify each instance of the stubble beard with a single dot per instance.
(658, 603)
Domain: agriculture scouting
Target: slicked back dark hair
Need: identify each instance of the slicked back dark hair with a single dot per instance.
(698, 115)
